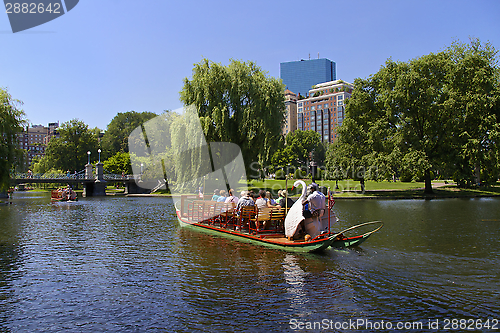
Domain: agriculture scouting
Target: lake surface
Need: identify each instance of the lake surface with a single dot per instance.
(120, 264)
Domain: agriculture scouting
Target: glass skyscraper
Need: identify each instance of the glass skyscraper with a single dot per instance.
(300, 76)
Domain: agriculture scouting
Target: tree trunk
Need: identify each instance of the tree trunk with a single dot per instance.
(477, 173)
(428, 184)
(362, 183)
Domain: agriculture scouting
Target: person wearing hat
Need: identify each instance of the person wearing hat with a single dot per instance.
(315, 204)
(284, 200)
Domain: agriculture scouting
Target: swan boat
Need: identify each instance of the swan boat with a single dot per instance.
(222, 219)
(195, 160)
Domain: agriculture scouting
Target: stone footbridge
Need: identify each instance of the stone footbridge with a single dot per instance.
(94, 184)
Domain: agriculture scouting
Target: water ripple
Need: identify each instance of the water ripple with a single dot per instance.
(125, 265)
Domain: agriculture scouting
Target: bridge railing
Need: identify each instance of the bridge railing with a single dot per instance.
(78, 176)
(55, 176)
(112, 176)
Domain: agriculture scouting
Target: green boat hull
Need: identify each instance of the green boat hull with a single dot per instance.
(293, 246)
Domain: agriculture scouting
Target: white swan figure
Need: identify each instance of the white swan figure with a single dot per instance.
(294, 216)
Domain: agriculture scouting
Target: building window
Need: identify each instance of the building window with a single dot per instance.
(340, 103)
(340, 97)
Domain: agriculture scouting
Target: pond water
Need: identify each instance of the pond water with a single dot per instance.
(123, 264)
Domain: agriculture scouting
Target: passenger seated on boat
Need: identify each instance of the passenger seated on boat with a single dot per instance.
(315, 202)
(244, 201)
(280, 196)
(64, 193)
(216, 195)
(232, 198)
(288, 203)
(269, 197)
(72, 194)
(222, 197)
(263, 202)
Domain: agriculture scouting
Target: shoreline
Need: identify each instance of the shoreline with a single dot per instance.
(441, 191)
(364, 197)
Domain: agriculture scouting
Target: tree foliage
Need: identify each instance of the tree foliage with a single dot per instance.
(115, 137)
(436, 113)
(11, 124)
(475, 101)
(237, 103)
(300, 148)
(69, 151)
(118, 163)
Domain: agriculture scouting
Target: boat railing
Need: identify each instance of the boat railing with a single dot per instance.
(224, 215)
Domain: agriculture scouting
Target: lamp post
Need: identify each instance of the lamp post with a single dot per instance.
(88, 153)
(99, 151)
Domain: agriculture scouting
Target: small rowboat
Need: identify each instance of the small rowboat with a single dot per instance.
(219, 219)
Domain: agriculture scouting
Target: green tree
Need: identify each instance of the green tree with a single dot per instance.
(118, 163)
(414, 96)
(11, 125)
(300, 148)
(365, 139)
(238, 103)
(115, 138)
(436, 112)
(40, 164)
(475, 100)
(69, 151)
(396, 115)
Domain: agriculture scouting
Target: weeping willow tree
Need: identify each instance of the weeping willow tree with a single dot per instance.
(11, 122)
(240, 104)
(190, 156)
(172, 148)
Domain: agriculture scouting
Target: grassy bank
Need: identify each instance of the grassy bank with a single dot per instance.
(397, 190)
(350, 189)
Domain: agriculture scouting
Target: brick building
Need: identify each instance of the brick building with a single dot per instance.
(34, 139)
(323, 111)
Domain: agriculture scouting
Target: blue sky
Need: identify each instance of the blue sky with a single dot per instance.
(110, 56)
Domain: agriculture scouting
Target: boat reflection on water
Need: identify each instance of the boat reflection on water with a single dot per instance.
(295, 278)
